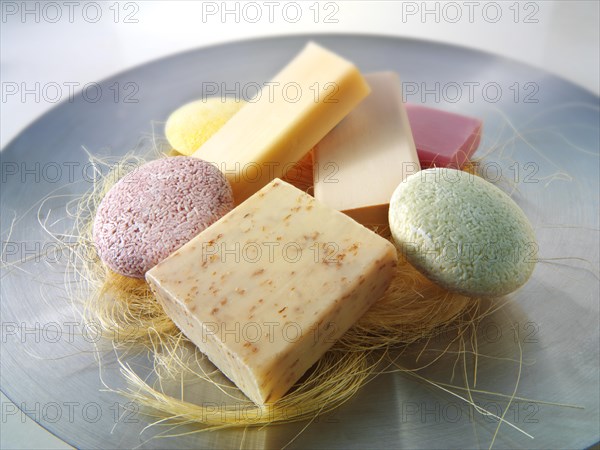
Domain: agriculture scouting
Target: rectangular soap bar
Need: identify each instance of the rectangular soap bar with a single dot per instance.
(359, 164)
(443, 139)
(276, 129)
(266, 290)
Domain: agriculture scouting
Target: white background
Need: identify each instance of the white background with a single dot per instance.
(71, 44)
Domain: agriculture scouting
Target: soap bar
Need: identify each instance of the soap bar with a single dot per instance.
(267, 289)
(360, 162)
(285, 120)
(443, 139)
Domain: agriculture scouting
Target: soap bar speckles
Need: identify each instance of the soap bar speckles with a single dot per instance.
(266, 290)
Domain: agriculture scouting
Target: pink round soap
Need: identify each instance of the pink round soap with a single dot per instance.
(155, 209)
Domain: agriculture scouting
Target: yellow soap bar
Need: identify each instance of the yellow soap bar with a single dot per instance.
(266, 290)
(288, 117)
(359, 164)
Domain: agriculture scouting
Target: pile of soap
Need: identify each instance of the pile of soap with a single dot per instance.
(264, 277)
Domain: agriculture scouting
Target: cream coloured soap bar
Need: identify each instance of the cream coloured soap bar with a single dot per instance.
(287, 118)
(360, 162)
(269, 287)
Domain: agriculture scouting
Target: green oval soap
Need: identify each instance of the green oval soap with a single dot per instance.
(462, 232)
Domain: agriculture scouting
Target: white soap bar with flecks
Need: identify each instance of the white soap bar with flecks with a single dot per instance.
(265, 291)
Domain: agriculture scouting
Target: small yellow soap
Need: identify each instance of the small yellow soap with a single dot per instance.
(191, 125)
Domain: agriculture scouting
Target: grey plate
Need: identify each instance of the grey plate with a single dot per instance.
(48, 367)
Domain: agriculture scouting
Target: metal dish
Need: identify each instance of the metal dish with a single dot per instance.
(48, 367)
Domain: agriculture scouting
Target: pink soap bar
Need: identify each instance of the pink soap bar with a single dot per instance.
(443, 139)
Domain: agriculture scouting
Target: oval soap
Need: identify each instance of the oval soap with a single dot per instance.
(462, 232)
(155, 209)
(191, 125)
